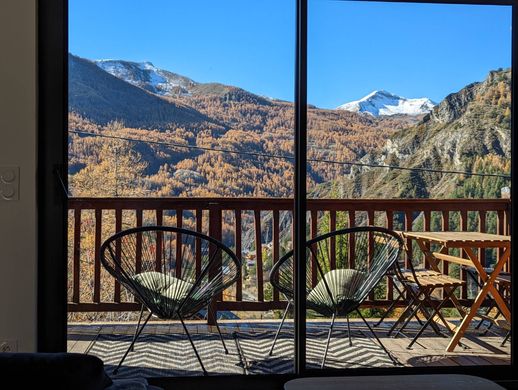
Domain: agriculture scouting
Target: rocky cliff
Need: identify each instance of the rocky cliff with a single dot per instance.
(468, 131)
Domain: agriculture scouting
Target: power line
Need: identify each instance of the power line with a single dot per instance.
(284, 157)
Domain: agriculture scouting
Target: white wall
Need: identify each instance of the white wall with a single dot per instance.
(18, 148)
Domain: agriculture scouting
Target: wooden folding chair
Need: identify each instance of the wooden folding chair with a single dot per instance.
(420, 285)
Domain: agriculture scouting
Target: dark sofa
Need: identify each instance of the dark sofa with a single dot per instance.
(53, 371)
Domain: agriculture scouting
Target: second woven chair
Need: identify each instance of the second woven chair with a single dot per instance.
(343, 268)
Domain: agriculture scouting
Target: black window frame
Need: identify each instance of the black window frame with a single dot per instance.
(53, 208)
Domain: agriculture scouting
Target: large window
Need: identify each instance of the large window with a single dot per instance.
(183, 115)
(185, 108)
(409, 126)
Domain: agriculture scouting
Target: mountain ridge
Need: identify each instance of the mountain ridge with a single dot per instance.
(147, 76)
(103, 98)
(169, 84)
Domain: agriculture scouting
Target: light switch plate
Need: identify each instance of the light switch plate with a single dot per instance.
(9, 183)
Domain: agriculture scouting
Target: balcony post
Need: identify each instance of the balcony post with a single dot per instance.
(215, 219)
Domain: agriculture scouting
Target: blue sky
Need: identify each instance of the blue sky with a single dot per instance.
(412, 50)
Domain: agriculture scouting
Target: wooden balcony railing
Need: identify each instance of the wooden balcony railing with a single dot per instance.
(92, 220)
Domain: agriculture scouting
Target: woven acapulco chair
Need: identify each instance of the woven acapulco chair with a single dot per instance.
(343, 268)
(172, 272)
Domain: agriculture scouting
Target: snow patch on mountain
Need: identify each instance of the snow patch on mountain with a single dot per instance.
(379, 103)
(147, 76)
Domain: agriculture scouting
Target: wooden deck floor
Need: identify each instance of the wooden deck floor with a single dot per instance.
(430, 350)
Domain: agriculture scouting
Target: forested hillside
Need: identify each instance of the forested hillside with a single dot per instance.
(212, 139)
(223, 118)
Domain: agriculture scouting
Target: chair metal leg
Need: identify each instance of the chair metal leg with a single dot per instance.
(413, 308)
(279, 328)
(192, 345)
(414, 300)
(401, 294)
(433, 324)
(396, 363)
(349, 331)
(506, 338)
(438, 313)
(407, 311)
(392, 305)
(136, 328)
(209, 312)
(137, 334)
(421, 307)
(328, 340)
(428, 321)
(435, 328)
(427, 299)
(389, 309)
(407, 320)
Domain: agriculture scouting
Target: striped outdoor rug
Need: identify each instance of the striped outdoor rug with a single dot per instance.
(172, 355)
(363, 353)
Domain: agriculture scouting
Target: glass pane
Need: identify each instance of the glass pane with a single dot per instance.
(181, 115)
(408, 128)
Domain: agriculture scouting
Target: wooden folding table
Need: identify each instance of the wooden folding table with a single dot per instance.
(466, 241)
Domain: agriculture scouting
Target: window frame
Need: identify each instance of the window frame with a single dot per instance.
(53, 208)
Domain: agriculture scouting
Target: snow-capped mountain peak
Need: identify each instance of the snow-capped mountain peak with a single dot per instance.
(148, 66)
(147, 76)
(382, 102)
